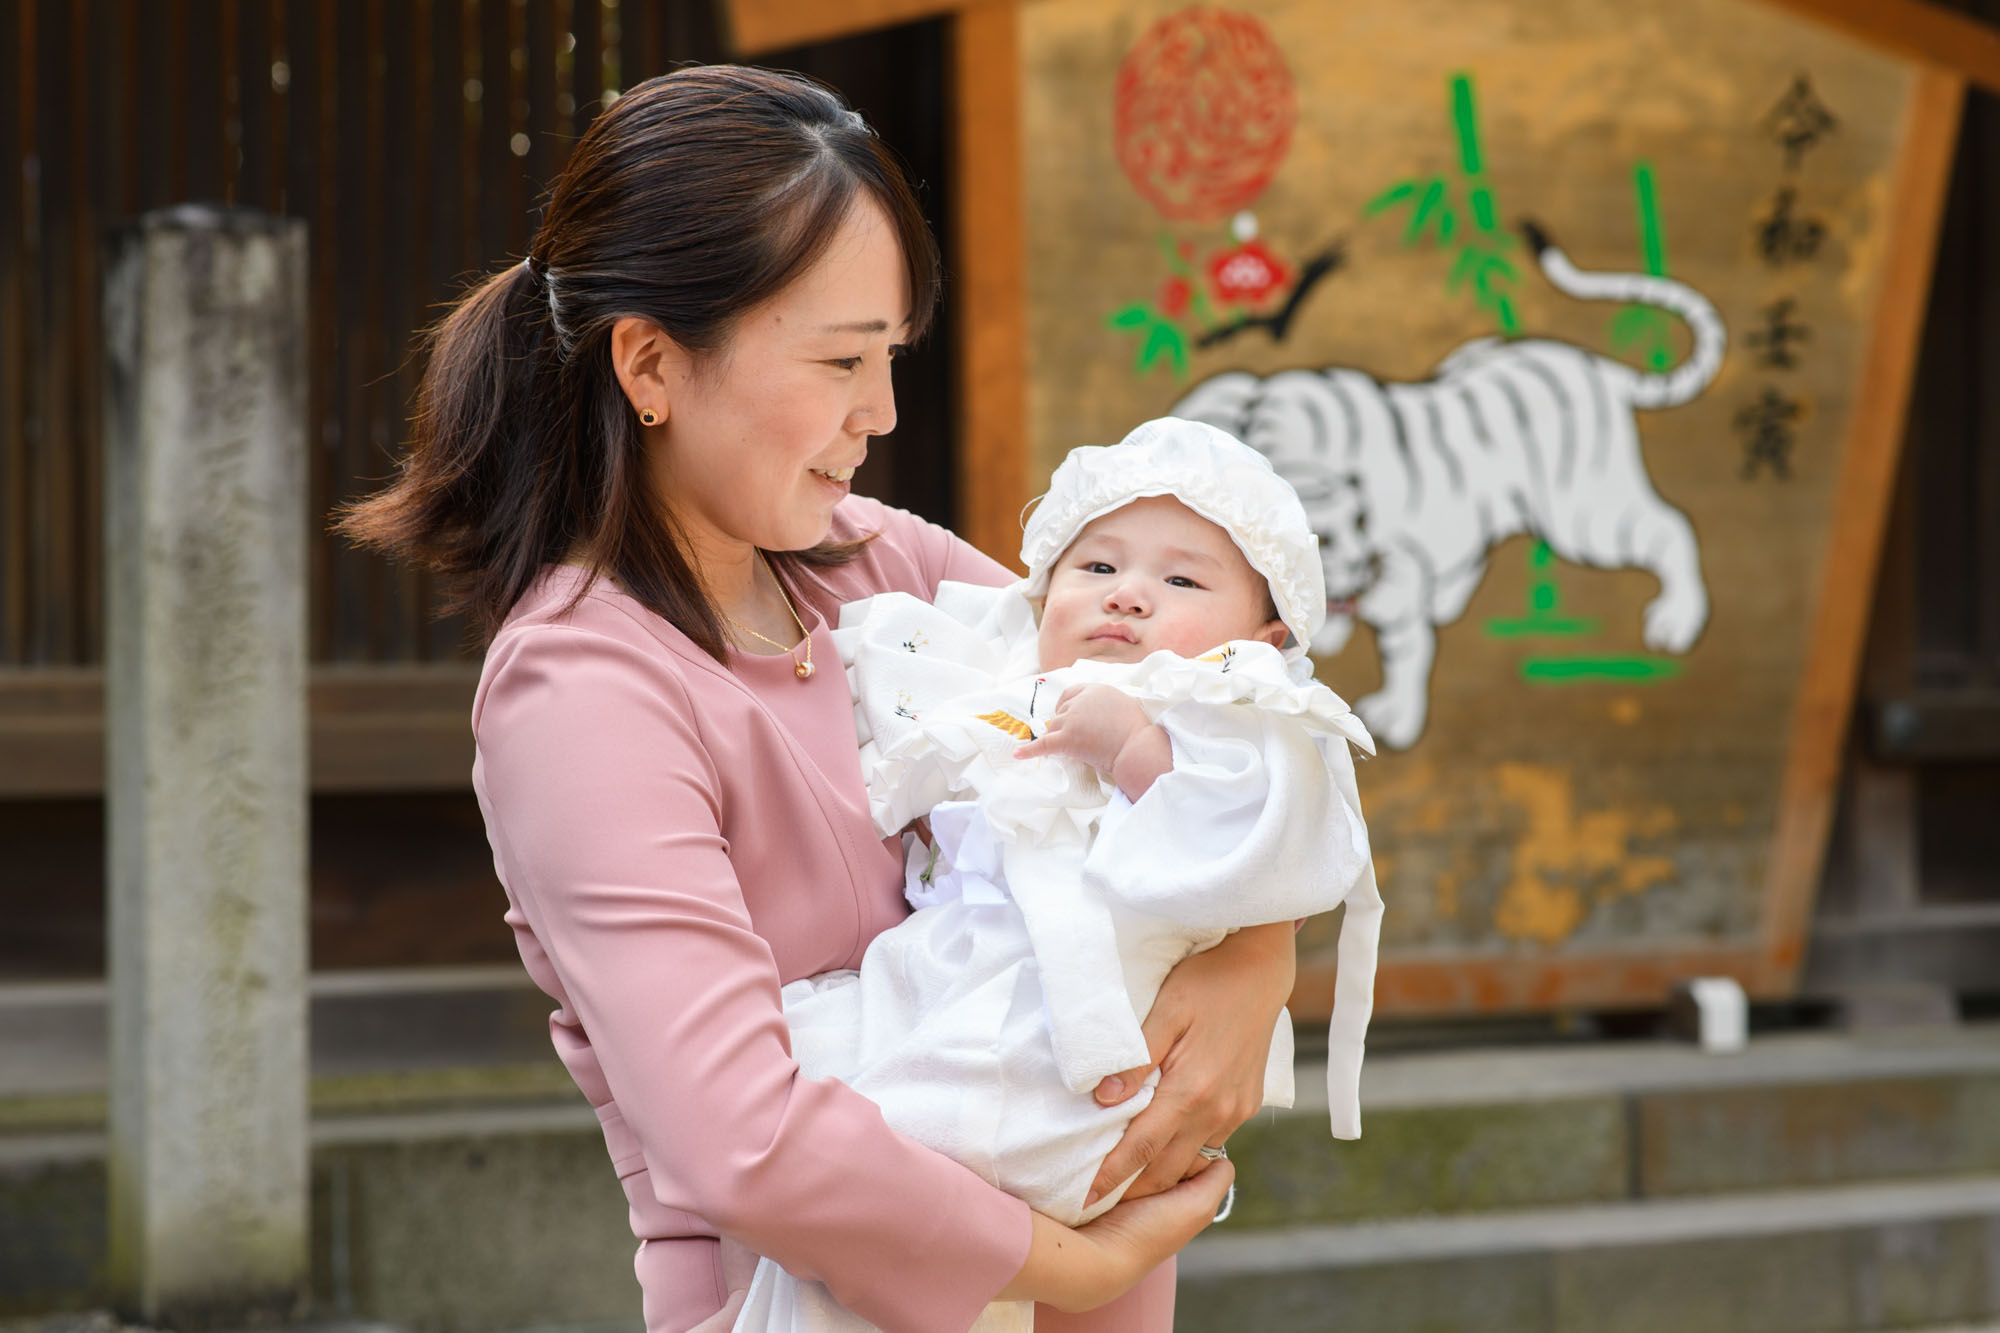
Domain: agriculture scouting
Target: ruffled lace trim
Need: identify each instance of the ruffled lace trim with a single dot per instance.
(969, 653)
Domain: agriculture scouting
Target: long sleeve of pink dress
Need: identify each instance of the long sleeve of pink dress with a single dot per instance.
(678, 838)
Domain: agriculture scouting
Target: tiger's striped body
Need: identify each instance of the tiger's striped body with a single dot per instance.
(1410, 486)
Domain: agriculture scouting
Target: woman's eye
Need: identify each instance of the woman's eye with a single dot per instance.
(845, 362)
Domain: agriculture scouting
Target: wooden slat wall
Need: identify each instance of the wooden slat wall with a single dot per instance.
(415, 137)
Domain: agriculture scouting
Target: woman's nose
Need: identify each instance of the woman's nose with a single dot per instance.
(875, 412)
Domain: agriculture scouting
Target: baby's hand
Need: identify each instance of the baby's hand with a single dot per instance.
(1107, 729)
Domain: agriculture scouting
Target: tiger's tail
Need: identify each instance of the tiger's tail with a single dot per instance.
(1649, 390)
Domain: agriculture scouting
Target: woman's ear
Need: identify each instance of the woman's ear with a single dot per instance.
(651, 367)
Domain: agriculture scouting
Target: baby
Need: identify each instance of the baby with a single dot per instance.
(1121, 759)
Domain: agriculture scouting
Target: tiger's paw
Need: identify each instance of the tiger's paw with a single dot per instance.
(1395, 720)
(1674, 623)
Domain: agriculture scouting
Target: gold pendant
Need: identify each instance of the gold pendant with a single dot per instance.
(803, 670)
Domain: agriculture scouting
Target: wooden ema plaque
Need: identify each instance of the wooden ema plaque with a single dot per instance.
(1585, 332)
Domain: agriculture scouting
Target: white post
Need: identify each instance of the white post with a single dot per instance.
(205, 544)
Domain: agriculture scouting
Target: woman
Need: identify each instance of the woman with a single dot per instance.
(630, 458)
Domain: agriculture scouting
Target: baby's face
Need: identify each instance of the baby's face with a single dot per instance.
(1152, 575)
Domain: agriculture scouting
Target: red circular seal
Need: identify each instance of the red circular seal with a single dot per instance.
(1205, 109)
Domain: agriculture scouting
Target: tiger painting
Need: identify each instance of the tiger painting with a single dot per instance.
(1410, 486)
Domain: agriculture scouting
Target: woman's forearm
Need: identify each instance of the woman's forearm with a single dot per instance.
(1270, 951)
(1057, 1268)
(1081, 1268)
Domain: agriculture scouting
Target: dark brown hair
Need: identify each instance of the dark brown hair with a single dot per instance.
(691, 199)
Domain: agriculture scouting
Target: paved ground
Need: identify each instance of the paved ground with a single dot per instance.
(99, 1322)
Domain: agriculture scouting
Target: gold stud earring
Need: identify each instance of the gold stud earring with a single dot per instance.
(648, 417)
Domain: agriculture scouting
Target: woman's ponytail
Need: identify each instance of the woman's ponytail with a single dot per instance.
(475, 501)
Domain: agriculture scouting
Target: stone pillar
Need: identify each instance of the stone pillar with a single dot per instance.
(205, 545)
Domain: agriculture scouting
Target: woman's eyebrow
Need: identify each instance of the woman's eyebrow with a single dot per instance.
(857, 326)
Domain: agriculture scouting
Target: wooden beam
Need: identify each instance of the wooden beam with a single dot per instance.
(373, 728)
(988, 295)
(1860, 514)
(1915, 28)
(755, 26)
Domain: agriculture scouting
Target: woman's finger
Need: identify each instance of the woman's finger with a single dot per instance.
(1152, 1229)
(1153, 1127)
(1179, 1158)
(1148, 1134)
(1122, 1086)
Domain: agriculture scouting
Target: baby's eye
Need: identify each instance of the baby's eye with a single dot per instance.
(1181, 581)
(1098, 567)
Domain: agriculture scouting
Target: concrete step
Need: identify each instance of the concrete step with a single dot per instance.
(1493, 1129)
(1861, 1257)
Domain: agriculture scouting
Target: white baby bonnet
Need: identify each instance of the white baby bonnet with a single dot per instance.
(1211, 472)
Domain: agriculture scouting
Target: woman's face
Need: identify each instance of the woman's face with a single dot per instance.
(760, 440)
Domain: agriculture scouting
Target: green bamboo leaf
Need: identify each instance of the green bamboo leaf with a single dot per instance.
(1467, 258)
(1483, 211)
(1509, 322)
(1389, 198)
(1447, 224)
(1433, 196)
(1491, 273)
(1131, 317)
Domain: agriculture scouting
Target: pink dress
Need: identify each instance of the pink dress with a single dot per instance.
(678, 840)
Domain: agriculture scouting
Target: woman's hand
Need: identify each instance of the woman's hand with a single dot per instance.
(1210, 1034)
(1082, 1268)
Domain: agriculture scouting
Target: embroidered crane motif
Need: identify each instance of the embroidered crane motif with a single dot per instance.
(1008, 723)
(1225, 655)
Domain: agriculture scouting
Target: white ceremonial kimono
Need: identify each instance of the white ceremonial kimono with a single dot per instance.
(1050, 908)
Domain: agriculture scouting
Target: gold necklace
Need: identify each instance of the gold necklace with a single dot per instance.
(803, 670)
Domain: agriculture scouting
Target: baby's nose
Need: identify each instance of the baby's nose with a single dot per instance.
(1127, 598)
